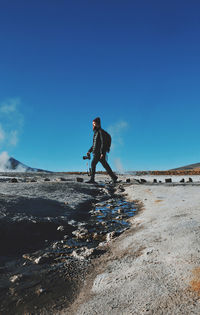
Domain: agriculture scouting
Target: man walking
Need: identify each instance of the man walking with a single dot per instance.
(99, 149)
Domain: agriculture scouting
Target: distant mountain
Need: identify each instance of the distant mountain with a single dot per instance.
(187, 167)
(14, 165)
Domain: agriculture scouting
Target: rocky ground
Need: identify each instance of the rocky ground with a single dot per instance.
(72, 248)
(154, 267)
(52, 228)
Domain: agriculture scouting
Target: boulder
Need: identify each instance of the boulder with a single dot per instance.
(168, 180)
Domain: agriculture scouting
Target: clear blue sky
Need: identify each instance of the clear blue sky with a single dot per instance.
(136, 64)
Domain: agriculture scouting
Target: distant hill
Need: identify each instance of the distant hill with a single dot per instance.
(187, 167)
(14, 165)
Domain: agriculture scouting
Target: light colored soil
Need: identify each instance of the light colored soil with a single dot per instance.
(154, 268)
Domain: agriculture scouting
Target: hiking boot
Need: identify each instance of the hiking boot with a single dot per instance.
(114, 180)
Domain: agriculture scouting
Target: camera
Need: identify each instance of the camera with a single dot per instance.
(86, 157)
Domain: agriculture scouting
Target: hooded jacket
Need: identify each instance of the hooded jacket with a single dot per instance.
(98, 146)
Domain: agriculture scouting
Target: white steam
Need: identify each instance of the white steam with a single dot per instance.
(10, 128)
(11, 122)
(118, 165)
(6, 164)
(116, 130)
(2, 134)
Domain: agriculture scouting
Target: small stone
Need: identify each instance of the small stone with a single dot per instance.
(47, 180)
(79, 179)
(190, 180)
(80, 234)
(111, 207)
(14, 180)
(40, 291)
(46, 258)
(142, 180)
(16, 278)
(62, 179)
(82, 253)
(128, 180)
(168, 180)
(182, 180)
(61, 228)
(28, 257)
(33, 180)
(155, 180)
(121, 188)
(110, 236)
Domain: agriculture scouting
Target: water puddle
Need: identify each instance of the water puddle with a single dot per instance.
(106, 221)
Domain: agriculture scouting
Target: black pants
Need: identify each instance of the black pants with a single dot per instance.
(95, 160)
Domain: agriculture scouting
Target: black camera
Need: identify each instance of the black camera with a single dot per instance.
(86, 157)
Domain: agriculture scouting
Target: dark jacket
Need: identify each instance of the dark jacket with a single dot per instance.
(98, 146)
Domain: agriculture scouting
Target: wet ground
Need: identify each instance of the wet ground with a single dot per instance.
(50, 229)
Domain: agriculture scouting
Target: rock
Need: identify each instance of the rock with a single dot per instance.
(120, 211)
(61, 179)
(121, 188)
(155, 180)
(16, 278)
(40, 291)
(111, 207)
(168, 180)
(182, 180)
(46, 258)
(119, 217)
(47, 180)
(14, 180)
(83, 253)
(80, 234)
(28, 257)
(160, 182)
(79, 179)
(190, 180)
(110, 236)
(33, 180)
(142, 180)
(61, 228)
(128, 180)
(57, 245)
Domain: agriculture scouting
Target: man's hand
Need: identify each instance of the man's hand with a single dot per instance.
(101, 156)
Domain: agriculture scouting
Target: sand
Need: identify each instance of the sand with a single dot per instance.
(154, 267)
